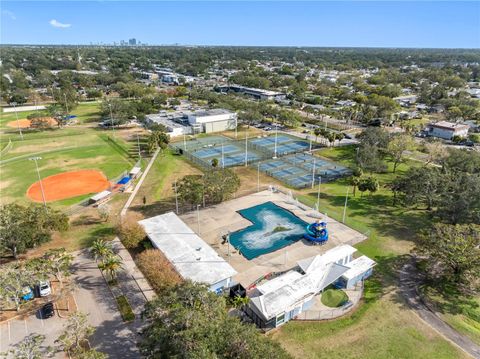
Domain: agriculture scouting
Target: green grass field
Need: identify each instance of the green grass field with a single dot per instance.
(383, 327)
(67, 149)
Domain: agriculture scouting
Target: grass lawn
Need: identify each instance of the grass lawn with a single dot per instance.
(383, 327)
(67, 149)
(458, 310)
(334, 298)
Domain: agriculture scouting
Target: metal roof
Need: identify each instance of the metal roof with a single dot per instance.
(192, 257)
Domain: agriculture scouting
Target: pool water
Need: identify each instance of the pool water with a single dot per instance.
(272, 228)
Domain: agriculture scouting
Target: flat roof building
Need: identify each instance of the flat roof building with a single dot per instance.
(447, 130)
(192, 257)
(278, 300)
(259, 94)
(214, 120)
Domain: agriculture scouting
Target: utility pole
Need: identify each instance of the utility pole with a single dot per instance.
(16, 115)
(35, 159)
(310, 136)
(345, 207)
(184, 142)
(236, 125)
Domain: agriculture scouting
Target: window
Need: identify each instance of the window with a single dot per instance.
(280, 319)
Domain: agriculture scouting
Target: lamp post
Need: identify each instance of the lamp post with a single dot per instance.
(258, 177)
(246, 148)
(313, 174)
(14, 104)
(138, 145)
(176, 195)
(35, 159)
(276, 134)
(66, 104)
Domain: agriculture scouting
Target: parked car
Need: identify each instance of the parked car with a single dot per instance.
(27, 294)
(44, 289)
(47, 311)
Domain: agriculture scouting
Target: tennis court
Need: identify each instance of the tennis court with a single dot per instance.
(300, 170)
(285, 145)
(228, 152)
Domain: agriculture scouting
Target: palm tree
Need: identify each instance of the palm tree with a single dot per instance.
(111, 265)
(101, 249)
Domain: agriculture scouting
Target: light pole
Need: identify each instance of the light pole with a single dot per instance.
(176, 195)
(111, 119)
(258, 177)
(246, 148)
(310, 136)
(318, 194)
(138, 145)
(35, 159)
(16, 115)
(236, 125)
(198, 218)
(345, 207)
(313, 174)
(223, 158)
(66, 104)
(276, 134)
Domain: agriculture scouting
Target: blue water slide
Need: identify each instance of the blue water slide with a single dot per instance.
(316, 233)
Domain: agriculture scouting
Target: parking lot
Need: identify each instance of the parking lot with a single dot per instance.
(15, 330)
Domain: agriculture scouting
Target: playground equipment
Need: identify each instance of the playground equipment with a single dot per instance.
(317, 233)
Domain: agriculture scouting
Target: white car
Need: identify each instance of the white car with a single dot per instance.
(44, 289)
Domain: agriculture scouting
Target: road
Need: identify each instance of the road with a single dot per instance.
(409, 281)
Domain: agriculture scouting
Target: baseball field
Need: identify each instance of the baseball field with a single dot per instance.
(73, 161)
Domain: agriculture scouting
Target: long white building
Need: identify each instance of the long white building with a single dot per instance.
(215, 120)
(191, 256)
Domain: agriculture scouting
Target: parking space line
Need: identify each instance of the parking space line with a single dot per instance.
(9, 335)
(40, 314)
(26, 327)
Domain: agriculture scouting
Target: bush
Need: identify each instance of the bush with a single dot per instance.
(157, 269)
(131, 233)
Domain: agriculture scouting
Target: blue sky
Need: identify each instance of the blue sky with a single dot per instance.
(342, 23)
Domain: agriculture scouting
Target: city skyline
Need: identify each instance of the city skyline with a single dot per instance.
(310, 24)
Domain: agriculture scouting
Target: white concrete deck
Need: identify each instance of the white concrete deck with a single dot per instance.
(217, 220)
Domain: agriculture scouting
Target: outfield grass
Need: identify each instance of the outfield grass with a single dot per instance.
(67, 149)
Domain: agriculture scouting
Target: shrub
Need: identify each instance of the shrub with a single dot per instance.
(157, 269)
(131, 233)
(125, 309)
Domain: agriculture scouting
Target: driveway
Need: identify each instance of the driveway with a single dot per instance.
(112, 336)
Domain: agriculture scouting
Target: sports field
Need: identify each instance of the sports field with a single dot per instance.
(79, 147)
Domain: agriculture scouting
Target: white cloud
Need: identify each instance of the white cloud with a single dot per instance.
(10, 14)
(58, 24)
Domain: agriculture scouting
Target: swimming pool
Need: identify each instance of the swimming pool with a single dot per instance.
(272, 228)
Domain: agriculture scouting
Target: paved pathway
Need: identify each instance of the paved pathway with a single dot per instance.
(112, 336)
(139, 184)
(409, 280)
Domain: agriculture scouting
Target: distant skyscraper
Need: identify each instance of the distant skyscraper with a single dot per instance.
(132, 42)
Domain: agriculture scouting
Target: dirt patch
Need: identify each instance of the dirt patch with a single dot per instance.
(26, 123)
(68, 184)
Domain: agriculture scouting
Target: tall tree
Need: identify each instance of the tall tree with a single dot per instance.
(452, 252)
(397, 146)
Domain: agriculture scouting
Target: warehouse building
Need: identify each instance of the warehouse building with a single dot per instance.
(215, 120)
(447, 130)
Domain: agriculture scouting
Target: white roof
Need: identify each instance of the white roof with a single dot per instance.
(189, 254)
(292, 294)
(135, 170)
(449, 125)
(100, 195)
(330, 256)
(279, 282)
(358, 266)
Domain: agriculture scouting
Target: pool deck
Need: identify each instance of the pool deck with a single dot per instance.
(217, 220)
